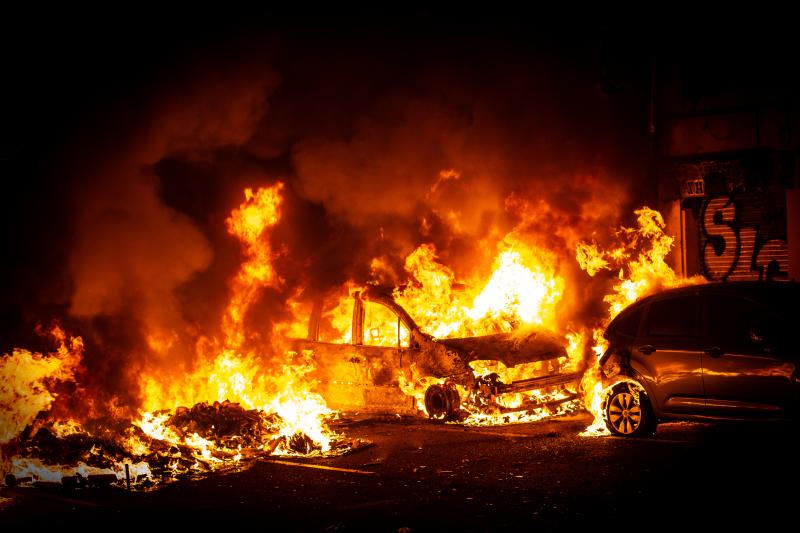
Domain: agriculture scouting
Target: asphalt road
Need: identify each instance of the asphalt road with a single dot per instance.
(432, 477)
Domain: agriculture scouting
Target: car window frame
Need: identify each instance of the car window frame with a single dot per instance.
(635, 308)
(363, 337)
(670, 341)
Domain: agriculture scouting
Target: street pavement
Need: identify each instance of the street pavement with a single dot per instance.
(420, 475)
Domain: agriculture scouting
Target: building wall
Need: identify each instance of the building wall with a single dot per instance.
(742, 236)
(731, 225)
(729, 169)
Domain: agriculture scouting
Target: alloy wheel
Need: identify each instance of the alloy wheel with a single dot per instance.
(624, 413)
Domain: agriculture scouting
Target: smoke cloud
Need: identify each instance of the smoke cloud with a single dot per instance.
(460, 160)
(132, 252)
(453, 141)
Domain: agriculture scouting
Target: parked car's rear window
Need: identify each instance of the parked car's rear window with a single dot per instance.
(672, 317)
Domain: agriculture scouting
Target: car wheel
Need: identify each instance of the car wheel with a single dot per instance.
(628, 411)
(442, 401)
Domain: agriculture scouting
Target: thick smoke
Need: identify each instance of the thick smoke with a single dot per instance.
(459, 161)
(133, 252)
(384, 145)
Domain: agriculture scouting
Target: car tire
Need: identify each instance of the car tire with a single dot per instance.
(628, 412)
(442, 401)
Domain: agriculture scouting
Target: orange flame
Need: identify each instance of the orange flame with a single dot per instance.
(27, 379)
(523, 289)
(273, 396)
(640, 258)
(227, 373)
(260, 211)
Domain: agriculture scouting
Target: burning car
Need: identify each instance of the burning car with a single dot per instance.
(383, 348)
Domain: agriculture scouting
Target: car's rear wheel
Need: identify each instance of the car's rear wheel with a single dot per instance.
(628, 411)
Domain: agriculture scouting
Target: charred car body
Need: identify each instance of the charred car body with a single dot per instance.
(362, 372)
(715, 351)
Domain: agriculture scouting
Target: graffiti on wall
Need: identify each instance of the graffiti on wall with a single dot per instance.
(743, 237)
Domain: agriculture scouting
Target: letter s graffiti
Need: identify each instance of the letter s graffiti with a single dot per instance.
(722, 242)
(737, 249)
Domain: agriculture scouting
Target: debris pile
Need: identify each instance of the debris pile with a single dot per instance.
(161, 447)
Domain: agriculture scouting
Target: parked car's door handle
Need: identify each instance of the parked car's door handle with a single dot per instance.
(647, 349)
(713, 352)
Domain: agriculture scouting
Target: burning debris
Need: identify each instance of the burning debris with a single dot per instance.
(160, 447)
(225, 423)
(242, 407)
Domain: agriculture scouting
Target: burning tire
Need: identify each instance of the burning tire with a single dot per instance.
(628, 411)
(442, 401)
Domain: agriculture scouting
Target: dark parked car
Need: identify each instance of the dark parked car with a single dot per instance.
(716, 351)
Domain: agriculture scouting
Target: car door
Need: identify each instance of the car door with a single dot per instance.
(360, 347)
(666, 353)
(746, 369)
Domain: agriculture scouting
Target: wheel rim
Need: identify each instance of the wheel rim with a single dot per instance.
(624, 413)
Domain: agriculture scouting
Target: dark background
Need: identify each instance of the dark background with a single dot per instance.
(72, 79)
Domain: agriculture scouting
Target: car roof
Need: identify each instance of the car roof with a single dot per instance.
(744, 288)
(776, 293)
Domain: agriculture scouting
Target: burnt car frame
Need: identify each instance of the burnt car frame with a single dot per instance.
(718, 351)
(360, 376)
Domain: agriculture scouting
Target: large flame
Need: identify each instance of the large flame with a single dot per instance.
(227, 371)
(640, 261)
(249, 223)
(235, 399)
(28, 380)
(522, 289)
(639, 258)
